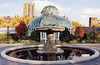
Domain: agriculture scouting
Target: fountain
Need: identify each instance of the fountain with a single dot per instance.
(50, 52)
(50, 49)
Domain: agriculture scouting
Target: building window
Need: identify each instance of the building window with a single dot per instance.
(99, 21)
(43, 35)
(93, 22)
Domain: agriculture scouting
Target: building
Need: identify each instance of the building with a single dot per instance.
(49, 18)
(93, 20)
(29, 9)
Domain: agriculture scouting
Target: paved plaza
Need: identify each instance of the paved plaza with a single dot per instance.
(92, 62)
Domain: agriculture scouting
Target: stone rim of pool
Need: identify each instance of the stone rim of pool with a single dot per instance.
(4, 55)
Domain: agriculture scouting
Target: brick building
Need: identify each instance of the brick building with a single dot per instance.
(93, 20)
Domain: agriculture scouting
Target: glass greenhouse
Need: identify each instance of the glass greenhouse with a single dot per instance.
(49, 18)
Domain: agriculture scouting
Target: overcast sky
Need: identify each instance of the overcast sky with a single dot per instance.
(76, 10)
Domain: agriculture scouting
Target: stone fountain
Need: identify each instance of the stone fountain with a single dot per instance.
(50, 49)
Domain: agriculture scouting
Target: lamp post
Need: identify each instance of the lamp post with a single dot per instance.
(93, 34)
(8, 32)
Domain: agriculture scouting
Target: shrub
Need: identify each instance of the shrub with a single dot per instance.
(3, 37)
(25, 41)
(65, 36)
(83, 41)
(11, 41)
(35, 35)
(28, 41)
(92, 34)
(78, 38)
(24, 37)
(98, 42)
(74, 41)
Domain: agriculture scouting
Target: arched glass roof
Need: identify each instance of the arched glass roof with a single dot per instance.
(50, 21)
(50, 18)
(50, 10)
(36, 22)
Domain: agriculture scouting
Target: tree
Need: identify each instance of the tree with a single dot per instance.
(79, 31)
(16, 21)
(21, 29)
(92, 34)
(65, 36)
(96, 25)
(35, 35)
(3, 23)
(76, 24)
(28, 19)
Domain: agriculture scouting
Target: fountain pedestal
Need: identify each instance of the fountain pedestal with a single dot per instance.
(50, 50)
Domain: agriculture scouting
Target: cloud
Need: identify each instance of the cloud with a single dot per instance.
(18, 12)
(39, 5)
(5, 5)
(92, 12)
(83, 17)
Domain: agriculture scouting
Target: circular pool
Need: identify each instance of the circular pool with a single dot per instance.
(28, 54)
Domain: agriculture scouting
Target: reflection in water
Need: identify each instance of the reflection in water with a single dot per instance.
(78, 52)
(31, 54)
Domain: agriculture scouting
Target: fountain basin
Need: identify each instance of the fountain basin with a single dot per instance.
(81, 59)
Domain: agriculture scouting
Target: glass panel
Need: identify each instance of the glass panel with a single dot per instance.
(36, 22)
(63, 22)
(56, 35)
(49, 21)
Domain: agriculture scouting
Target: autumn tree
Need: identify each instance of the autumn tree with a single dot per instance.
(79, 31)
(3, 23)
(76, 24)
(16, 21)
(96, 25)
(21, 29)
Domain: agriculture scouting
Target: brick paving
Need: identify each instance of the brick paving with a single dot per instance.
(92, 62)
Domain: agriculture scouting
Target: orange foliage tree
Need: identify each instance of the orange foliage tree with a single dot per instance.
(21, 29)
(79, 31)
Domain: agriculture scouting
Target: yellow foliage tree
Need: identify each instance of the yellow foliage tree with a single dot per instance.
(96, 25)
(28, 19)
(16, 21)
(3, 23)
(76, 24)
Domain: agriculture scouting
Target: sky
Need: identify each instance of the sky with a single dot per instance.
(75, 10)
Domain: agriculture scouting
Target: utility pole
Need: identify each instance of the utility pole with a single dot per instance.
(8, 32)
